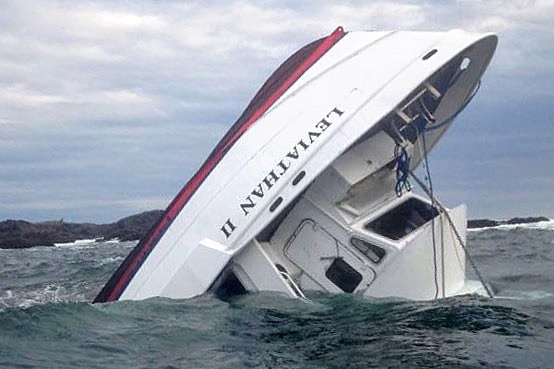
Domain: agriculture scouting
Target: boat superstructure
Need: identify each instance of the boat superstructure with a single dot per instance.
(309, 189)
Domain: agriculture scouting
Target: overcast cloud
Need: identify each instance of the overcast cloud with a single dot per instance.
(108, 107)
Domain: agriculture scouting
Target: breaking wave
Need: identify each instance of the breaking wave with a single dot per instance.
(547, 225)
(47, 320)
(75, 243)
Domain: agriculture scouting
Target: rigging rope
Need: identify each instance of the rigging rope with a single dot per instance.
(403, 172)
(431, 197)
(429, 190)
(459, 238)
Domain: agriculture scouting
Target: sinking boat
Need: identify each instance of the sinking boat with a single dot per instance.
(310, 189)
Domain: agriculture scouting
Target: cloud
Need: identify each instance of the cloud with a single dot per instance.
(114, 100)
(19, 96)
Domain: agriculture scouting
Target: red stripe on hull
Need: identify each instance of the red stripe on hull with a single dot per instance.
(121, 278)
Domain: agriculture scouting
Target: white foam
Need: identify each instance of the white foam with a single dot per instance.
(50, 293)
(76, 243)
(544, 225)
(523, 295)
(110, 260)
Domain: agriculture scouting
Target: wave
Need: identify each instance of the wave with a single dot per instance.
(547, 225)
(110, 260)
(76, 242)
(524, 295)
(113, 240)
(265, 330)
(51, 293)
(91, 243)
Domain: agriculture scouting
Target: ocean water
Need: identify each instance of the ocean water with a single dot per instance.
(46, 320)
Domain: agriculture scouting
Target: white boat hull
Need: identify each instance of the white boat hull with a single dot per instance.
(321, 152)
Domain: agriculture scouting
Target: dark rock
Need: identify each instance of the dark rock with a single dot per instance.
(133, 227)
(21, 234)
(481, 223)
(525, 220)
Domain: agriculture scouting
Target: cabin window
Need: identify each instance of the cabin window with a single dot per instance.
(403, 220)
(343, 275)
(372, 252)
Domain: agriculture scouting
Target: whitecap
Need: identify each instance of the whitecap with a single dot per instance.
(523, 295)
(75, 243)
(50, 293)
(110, 260)
(544, 225)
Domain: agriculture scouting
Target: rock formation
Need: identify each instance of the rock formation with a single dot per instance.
(481, 223)
(21, 234)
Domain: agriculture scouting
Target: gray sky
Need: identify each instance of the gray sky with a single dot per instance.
(108, 107)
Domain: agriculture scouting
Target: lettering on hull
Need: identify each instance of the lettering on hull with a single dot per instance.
(282, 166)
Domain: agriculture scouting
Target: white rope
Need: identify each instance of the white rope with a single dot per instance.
(453, 227)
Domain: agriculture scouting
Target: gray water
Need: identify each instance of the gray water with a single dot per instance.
(46, 320)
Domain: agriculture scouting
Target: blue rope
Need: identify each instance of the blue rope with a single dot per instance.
(402, 170)
(402, 183)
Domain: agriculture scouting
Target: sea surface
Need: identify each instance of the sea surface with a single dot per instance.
(47, 320)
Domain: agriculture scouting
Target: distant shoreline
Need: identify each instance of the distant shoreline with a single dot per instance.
(485, 223)
(16, 234)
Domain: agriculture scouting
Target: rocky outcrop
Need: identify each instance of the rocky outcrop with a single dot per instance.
(21, 234)
(133, 227)
(481, 223)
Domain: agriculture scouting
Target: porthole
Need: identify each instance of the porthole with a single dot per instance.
(298, 178)
(429, 54)
(276, 204)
